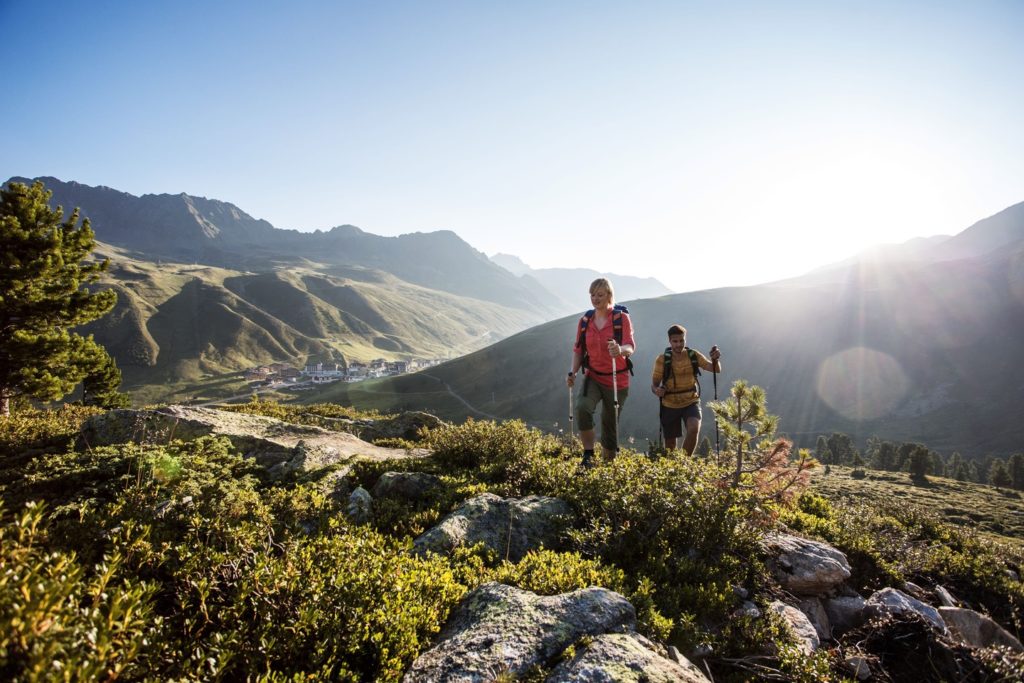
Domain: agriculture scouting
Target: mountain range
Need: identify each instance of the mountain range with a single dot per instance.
(205, 289)
(195, 230)
(569, 285)
(923, 344)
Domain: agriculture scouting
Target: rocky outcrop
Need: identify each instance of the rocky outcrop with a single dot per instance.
(977, 630)
(624, 658)
(410, 486)
(510, 526)
(890, 601)
(279, 446)
(799, 625)
(405, 425)
(500, 629)
(805, 567)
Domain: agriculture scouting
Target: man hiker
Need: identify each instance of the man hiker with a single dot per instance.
(604, 342)
(675, 383)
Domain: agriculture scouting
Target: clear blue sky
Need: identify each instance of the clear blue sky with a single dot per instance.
(705, 144)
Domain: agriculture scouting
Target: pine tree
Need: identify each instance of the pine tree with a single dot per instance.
(956, 461)
(43, 294)
(758, 459)
(885, 456)
(704, 447)
(998, 475)
(919, 462)
(821, 450)
(1016, 467)
(842, 448)
(962, 472)
(99, 387)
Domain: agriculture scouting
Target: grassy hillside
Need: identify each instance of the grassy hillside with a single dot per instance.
(998, 513)
(178, 325)
(912, 354)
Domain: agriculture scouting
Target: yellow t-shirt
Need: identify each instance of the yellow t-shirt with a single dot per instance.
(681, 387)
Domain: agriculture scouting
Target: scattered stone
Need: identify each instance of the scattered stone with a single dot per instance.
(500, 629)
(946, 598)
(624, 658)
(740, 592)
(799, 625)
(1012, 575)
(360, 504)
(893, 601)
(408, 485)
(815, 612)
(510, 526)
(858, 666)
(748, 609)
(845, 612)
(279, 446)
(805, 567)
(978, 630)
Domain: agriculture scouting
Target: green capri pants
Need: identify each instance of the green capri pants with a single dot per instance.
(586, 404)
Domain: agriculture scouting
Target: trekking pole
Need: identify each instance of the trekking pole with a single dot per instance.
(615, 400)
(572, 427)
(718, 448)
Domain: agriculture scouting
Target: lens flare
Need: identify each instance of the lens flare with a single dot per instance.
(861, 383)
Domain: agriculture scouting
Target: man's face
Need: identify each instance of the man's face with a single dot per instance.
(677, 342)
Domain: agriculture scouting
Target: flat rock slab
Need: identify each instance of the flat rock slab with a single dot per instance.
(510, 526)
(805, 567)
(279, 446)
(978, 630)
(624, 658)
(498, 629)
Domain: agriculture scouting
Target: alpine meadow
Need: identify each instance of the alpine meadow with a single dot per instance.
(516, 343)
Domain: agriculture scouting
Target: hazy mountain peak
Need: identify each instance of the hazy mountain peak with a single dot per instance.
(512, 264)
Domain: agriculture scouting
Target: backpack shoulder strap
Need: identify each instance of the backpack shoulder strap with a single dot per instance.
(666, 366)
(693, 361)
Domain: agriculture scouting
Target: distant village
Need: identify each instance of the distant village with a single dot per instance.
(325, 373)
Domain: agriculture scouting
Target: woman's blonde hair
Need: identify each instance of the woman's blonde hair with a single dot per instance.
(602, 283)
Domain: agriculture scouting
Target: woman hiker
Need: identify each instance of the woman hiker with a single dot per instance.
(604, 342)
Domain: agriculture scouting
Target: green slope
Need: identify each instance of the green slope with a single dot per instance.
(177, 324)
(926, 353)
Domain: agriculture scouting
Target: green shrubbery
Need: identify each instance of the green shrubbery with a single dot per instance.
(184, 561)
(894, 542)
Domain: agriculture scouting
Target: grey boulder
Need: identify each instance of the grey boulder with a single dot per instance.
(803, 566)
(624, 658)
(799, 625)
(510, 526)
(500, 630)
(977, 630)
(892, 601)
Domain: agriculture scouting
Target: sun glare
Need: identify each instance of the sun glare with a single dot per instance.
(861, 383)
